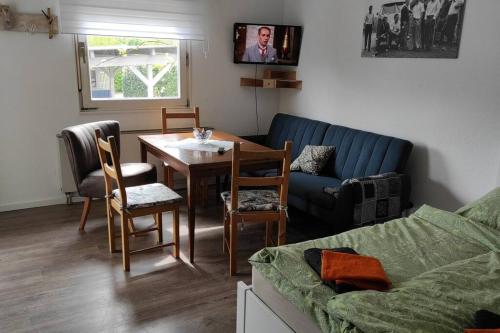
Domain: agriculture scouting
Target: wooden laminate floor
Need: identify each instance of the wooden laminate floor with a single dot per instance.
(55, 279)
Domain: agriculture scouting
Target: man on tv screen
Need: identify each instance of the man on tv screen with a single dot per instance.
(261, 51)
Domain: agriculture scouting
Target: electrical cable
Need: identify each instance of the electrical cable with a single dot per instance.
(256, 100)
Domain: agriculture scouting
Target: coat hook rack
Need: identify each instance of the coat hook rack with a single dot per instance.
(34, 23)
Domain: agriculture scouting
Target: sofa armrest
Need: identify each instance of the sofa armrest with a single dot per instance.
(344, 207)
(259, 139)
(374, 199)
(406, 191)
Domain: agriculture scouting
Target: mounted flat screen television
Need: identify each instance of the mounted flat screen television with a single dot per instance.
(267, 44)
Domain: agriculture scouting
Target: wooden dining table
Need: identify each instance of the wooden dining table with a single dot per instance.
(196, 165)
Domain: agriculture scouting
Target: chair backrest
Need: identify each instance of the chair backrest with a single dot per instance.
(195, 115)
(280, 181)
(110, 163)
(82, 148)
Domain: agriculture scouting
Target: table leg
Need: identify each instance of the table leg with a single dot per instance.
(191, 202)
(217, 189)
(144, 153)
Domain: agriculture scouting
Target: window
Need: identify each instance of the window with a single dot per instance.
(129, 73)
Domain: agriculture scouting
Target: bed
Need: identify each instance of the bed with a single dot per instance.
(444, 267)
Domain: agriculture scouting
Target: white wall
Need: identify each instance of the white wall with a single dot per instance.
(448, 108)
(217, 81)
(38, 98)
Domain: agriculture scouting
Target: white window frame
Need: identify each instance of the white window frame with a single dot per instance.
(130, 104)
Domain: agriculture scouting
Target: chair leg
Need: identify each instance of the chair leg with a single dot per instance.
(233, 240)
(175, 227)
(159, 225)
(111, 229)
(125, 246)
(269, 233)
(85, 213)
(131, 226)
(282, 230)
(226, 229)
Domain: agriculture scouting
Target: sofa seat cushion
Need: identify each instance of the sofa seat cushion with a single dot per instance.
(134, 174)
(310, 188)
(254, 200)
(149, 195)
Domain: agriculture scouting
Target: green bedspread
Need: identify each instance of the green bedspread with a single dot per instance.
(443, 266)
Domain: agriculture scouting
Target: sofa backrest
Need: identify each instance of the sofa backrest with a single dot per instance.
(357, 154)
(301, 131)
(361, 154)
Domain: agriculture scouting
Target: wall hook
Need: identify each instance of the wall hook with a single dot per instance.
(50, 21)
(7, 17)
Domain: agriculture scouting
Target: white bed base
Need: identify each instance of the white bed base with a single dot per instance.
(261, 309)
(254, 316)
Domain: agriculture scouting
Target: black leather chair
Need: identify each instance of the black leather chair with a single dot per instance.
(86, 167)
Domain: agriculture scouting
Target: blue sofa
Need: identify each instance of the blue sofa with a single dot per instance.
(358, 154)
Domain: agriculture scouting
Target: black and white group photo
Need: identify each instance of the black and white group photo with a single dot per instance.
(412, 28)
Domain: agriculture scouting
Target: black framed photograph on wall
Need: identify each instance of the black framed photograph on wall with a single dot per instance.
(412, 28)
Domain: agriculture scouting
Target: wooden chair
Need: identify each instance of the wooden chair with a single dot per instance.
(265, 205)
(165, 115)
(134, 201)
(168, 171)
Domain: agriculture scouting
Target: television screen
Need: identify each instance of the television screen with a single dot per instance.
(267, 44)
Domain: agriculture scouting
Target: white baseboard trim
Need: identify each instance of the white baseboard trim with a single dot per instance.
(179, 184)
(31, 204)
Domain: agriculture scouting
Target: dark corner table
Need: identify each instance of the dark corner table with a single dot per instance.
(196, 165)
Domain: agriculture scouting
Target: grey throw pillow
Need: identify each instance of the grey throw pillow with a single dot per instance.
(312, 159)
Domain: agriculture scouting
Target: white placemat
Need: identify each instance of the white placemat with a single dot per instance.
(193, 144)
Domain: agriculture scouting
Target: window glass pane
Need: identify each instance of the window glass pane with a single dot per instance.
(133, 68)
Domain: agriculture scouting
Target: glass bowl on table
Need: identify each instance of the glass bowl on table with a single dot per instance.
(201, 135)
